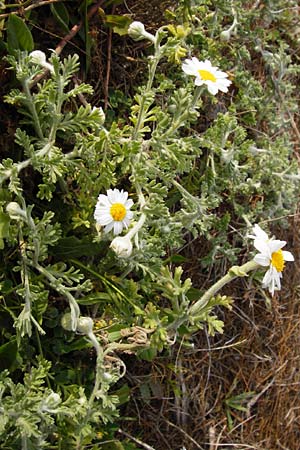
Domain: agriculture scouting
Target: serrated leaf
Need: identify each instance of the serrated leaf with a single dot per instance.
(19, 36)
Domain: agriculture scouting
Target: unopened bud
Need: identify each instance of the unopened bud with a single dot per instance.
(38, 57)
(50, 403)
(101, 114)
(66, 322)
(85, 325)
(107, 376)
(137, 32)
(225, 35)
(122, 246)
(15, 211)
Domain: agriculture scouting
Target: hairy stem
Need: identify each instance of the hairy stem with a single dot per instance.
(234, 272)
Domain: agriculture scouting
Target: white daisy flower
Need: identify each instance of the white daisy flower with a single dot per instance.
(271, 255)
(205, 73)
(113, 211)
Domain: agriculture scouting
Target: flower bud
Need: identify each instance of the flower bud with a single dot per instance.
(107, 376)
(38, 57)
(50, 403)
(137, 32)
(122, 246)
(66, 322)
(15, 211)
(85, 325)
(225, 35)
(101, 114)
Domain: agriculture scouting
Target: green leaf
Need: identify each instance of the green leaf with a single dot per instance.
(147, 354)
(61, 347)
(19, 36)
(123, 393)
(115, 445)
(61, 14)
(8, 354)
(72, 247)
(4, 225)
(94, 299)
(118, 23)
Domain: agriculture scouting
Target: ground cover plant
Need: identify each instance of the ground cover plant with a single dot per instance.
(141, 218)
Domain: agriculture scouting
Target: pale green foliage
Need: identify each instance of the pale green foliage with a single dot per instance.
(194, 166)
(32, 414)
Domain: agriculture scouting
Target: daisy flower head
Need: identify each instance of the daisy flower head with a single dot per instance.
(272, 256)
(113, 211)
(206, 74)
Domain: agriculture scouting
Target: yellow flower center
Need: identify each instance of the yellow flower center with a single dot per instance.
(277, 260)
(118, 211)
(207, 76)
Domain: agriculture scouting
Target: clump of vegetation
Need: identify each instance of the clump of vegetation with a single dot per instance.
(98, 208)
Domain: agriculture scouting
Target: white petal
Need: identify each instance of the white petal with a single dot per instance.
(189, 68)
(271, 280)
(276, 245)
(208, 64)
(223, 88)
(103, 219)
(212, 88)
(125, 223)
(267, 277)
(128, 204)
(287, 256)
(109, 227)
(118, 227)
(262, 260)
(268, 281)
(223, 85)
(195, 61)
(113, 195)
(123, 197)
(129, 215)
(199, 81)
(258, 233)
(220, 74)
(103, 200)
(263, 247)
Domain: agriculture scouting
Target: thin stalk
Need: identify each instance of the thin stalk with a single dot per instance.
(75, 310)
(57, 118)
(142, 111)
(234, 272)
(197, 93)
(22, 165)
(32, 109)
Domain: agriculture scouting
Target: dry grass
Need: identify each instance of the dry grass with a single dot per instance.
(180, 401)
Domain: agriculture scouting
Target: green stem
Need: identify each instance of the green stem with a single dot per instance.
(23, 164)
(143, 110)
(197, 93)
(57, 115)
(75, 311)
(136, 227)
(32, 109)
(234, 272)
